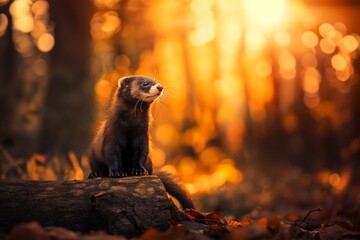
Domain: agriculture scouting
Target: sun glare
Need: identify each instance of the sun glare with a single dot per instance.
(265, 14)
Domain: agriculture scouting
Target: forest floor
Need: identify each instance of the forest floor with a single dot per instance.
(301, 207)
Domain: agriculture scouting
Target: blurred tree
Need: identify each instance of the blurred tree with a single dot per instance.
(355, 145)
(68, 107)
(7, 81)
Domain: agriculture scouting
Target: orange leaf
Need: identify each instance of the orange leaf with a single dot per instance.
(78, 172)
(245, 221)
(263, 222)
(233, 223)
(193, 214)
(216, 231)
(273, 224)
(176, 233)
(292, 217)
(61, 233)
(40, 157)
(212, 216)
(31, 230)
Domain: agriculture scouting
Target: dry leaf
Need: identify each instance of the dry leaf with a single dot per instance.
(245, 221)
(216, 231)
(193, 214)
(232, 223)
(212, 216)
(252, 231)
(263, 222)
(273, 224)
(176, 233)
(78, 173)
(60, 233)
(100, 235)
(336, 232)
(29, 231)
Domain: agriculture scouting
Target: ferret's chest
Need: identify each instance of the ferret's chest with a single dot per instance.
(130, 126)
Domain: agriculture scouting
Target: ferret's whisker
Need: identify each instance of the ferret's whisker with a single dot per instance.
(155, 73)
(158, 105)
(166, 95)
(141, 105)
(170, 86)
(169, 91)
(136, 104)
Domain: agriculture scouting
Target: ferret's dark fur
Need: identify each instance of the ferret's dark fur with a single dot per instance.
(121, 145)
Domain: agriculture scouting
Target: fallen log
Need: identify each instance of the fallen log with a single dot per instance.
(126, 206)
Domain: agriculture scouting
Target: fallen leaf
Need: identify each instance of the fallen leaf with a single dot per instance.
(273, 224)
(206, 218)
(292, 218)
(336, 232)
(216, 231)
(193, 214)
(191, 225)
(232, 223)
(61, 233)
(29, 231)
(263, 222)
(100, 235)
(213, 216)
(252, 231)
(245, 221)
(176, 233)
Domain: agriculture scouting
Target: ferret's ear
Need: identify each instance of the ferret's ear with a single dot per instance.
(124, 80)
(120, 81)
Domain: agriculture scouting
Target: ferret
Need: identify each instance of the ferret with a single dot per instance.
(121, 146)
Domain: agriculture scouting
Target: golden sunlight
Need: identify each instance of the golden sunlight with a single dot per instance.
(236, 52)
(204, 29)
(263, 68)
(265, 14)
(283, 39)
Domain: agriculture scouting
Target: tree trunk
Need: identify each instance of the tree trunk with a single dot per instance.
(67, 118)
(126, 206)
(8, 83)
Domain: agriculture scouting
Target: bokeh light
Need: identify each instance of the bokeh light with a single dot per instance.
(334, 179)
(338, 61)
(350, 43)
(283, 39)
(309, 39)
(46, 42)
(3, 24)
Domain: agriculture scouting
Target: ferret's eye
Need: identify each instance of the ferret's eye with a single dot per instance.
(144, 84)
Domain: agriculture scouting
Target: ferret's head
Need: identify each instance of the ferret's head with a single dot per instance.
(139, 88)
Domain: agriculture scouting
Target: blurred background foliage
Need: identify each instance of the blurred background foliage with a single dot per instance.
(261, 97)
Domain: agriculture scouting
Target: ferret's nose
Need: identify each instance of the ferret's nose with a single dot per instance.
(160, 88)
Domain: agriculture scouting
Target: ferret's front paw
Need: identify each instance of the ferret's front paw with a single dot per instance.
(117, 173)
(95, 175)
(139, 172)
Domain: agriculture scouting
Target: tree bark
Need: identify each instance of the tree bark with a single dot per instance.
(126, 206)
